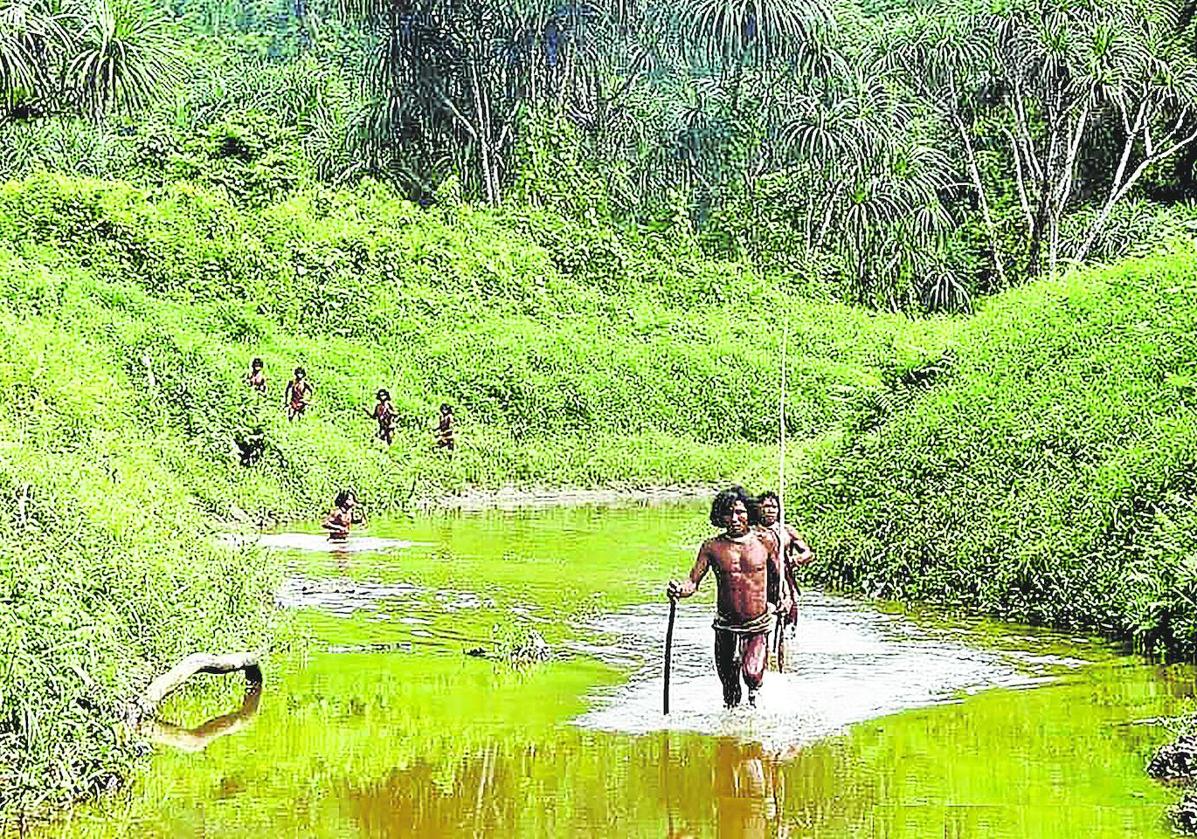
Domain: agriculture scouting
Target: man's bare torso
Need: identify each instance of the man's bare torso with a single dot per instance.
(741, 568)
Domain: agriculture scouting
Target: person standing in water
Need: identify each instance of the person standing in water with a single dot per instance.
(298, 394)
(742, 557)
(444, 428)
(344, 515)
(794, 551)
(384, 413)
(257, 376)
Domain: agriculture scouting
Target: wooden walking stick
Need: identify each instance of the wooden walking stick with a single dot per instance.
(669, 648)
(781, 643)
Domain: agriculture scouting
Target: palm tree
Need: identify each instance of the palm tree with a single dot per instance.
(870, 178)
(731, 33)
(462, 73)
(61, 59)
(123, 54)
(1074, 73)
(32, 41)
(945, 56)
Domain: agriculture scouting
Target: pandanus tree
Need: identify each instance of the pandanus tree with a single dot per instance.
(1039, 87)
(870, 184)
(123, 55)
(732, 34)
(88, 59)
(1075, 74)
(33, 42)
(759, 40)
(945, 58)
(1152, 94)
(461, 73)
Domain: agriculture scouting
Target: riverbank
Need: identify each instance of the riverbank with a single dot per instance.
(1046, 474)
(126, 427)
(907, 725)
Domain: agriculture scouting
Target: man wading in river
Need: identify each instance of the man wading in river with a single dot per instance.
(794, 552)
(743, 559)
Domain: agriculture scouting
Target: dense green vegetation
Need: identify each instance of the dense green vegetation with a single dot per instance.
(901, 154)
(1047, 473)
(582, 225)
(574, 356)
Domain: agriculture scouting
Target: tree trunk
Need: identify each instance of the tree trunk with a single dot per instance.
(974, 171)
(197, 739)
(1043, 213)
(482, 137)
(174, 678)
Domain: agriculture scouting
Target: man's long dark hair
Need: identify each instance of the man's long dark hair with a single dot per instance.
(760, 499)
(721, 507)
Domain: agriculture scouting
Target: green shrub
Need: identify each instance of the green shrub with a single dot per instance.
(1047, 475)
(573, 355)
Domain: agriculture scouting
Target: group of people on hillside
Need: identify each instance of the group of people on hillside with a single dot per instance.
(754, 560)
(298, 395)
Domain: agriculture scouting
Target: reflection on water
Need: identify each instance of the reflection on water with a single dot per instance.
(319, 543)
(338, 595)
(412, 738)
(197, 739)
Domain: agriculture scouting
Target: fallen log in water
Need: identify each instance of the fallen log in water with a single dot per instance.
(174, 678)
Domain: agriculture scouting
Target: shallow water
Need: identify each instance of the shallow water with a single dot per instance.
(318, 543)
(885, 724)
(845, 663)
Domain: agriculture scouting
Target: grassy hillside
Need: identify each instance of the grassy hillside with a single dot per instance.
(1048, 473)
(1034, 461)
(575, 355)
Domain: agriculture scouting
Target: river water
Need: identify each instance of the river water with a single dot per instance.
(885, 723)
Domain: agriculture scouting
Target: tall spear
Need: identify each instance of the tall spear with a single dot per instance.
(781, 494)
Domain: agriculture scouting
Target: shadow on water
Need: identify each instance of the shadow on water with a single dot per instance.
(883, 725)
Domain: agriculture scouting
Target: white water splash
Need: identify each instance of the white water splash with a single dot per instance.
(845, 664)
(319, 543)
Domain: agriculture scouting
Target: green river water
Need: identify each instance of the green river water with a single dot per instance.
(885, 724)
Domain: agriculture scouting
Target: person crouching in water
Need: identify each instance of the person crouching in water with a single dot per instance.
(743, 559)
(384, 413)
(344, 515)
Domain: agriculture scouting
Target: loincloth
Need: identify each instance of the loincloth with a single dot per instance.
(759, 625)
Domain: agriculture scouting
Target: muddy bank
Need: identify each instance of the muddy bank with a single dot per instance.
(1176, 763)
